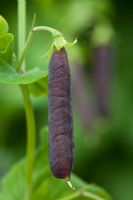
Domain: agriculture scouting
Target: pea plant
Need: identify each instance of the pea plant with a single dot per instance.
(31, 178)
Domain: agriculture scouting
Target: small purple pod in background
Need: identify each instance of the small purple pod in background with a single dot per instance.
(84, 106)
(60, 116)
(102, 57)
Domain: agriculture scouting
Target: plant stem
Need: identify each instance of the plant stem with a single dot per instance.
(26, 46)
(31, 138)
(21, 28)
(31, 130)
(53, 31)
(23, 55)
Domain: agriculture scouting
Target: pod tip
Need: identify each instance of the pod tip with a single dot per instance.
(69, 183)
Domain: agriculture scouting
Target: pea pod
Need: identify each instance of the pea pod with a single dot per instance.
(60, 116)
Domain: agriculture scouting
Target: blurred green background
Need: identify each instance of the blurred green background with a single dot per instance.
(104, 153)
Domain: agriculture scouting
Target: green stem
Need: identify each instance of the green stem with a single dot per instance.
(24, 53)
(53, 31)
(31, 138)
(26, 47)
(21, 28)
(31, 130)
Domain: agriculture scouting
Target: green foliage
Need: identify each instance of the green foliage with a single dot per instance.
(6, 42)
(13, 184)
(3, 26)
(39, 88)
(8, 74)
(6, 47)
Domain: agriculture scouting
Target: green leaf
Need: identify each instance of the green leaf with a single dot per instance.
(8, 74)
(44, 185)
(39, 88)
(6, 47)
(3, 25)
(13, 184)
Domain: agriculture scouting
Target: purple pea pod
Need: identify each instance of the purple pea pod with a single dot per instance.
(60, 116)
(102, 76)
